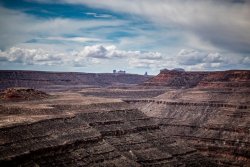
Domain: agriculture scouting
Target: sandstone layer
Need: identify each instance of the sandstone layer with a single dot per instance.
(217, 79)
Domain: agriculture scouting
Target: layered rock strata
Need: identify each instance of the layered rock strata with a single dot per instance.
(218, 130)
(189, 79)
(108, 138)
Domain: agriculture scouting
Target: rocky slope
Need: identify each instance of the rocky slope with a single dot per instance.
(216, 123)
(114, 136)
(22, 94)
(222, 79)
(210, 112)
(231, 79)
(176, 79)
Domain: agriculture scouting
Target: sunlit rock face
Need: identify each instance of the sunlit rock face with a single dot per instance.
(187, 79)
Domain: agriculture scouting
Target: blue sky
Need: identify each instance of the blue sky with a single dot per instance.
(138, 36)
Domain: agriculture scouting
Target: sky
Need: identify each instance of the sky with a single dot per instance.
(132, 35)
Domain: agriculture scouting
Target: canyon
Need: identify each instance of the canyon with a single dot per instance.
(176, 118)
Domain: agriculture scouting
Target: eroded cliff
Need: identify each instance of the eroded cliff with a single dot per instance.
(189, 79)
(217, 127)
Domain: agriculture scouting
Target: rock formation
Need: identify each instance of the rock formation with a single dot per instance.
(177, 118)
(22, 94)
(121, 137)
(211, 114)
(218, 130)
(178, 79)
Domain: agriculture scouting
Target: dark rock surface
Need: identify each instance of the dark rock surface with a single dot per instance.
(112, 138)
(217, 130)
(66, 80)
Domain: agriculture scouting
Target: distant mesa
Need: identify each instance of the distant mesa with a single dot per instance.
(178, 69)
(174, 69)
(164, 70)
(55, 81)
(119, 72)
(19, 93)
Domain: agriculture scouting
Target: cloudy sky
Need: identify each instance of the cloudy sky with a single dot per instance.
(131, 35)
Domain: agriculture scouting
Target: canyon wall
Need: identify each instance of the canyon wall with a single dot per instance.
(174, 119)
(218, 129)
(222, 79)
(115, 137)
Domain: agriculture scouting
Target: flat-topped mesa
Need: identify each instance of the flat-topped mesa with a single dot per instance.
(176, 78)
(188, 79)
(55, 81)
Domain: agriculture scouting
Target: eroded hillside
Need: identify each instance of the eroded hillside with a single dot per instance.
(182, 79)
(212, 117)
(87, 132)
(185, 123)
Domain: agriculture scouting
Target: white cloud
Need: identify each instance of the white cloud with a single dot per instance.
(208, 26)
(30, 56)
(222, 24)
(18, 27)
(73, 39)
(86, 56)
(200, 60)
(194, 57)
(110, 51)
(152, 60)
(145, 63)
(103, 55)
(246, 61)
(99, 15)
(214, 58)
(150, 55)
